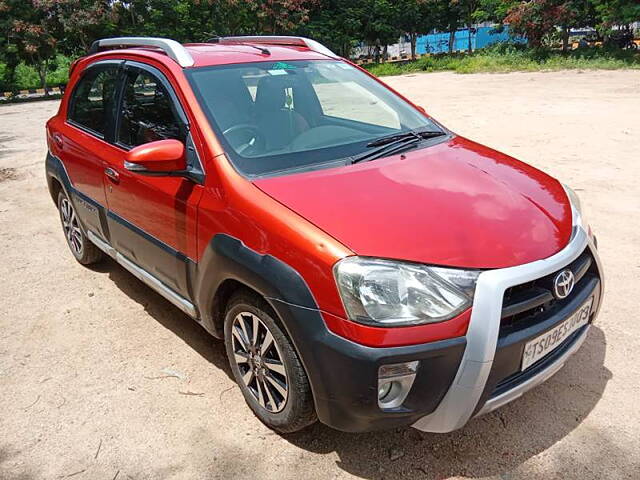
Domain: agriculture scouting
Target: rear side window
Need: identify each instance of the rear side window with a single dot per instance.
(147, 112)
(93, 99)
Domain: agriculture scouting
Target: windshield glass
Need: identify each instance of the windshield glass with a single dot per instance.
(276, 117)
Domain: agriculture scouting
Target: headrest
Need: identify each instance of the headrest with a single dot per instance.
(270, 93)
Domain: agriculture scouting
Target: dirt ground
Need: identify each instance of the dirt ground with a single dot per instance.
(101, 378)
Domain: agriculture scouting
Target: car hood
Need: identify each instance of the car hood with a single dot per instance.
(456, 203)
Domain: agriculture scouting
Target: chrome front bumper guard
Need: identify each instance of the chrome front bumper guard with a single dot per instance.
(461, 400)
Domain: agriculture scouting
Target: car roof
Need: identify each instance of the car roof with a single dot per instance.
(210, 54)
(207, 54)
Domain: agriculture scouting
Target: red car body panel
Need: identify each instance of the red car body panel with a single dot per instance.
(234, 206)
(455, 204)
(84, 158)
(228, 204)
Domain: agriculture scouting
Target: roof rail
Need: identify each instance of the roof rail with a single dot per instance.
(277, 40)
(173, 49)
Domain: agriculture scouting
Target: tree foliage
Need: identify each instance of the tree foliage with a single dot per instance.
(617, 12)
(35, 32)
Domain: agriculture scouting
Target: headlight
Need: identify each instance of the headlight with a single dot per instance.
(387, 293)
(577, 207)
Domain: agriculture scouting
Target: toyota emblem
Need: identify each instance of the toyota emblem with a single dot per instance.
(563, 283)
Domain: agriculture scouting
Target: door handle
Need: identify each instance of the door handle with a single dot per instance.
(57, 138)
(112, 174)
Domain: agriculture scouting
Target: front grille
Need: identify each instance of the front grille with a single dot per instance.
(533, 302)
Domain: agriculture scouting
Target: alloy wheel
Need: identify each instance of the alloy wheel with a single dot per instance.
(71, 226)
(259, 360)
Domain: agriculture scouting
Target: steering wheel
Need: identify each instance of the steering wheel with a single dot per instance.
(255, 137)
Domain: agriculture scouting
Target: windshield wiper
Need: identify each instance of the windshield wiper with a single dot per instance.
(405, 135)
(394, 143)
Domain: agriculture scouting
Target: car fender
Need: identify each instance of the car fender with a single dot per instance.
(228, 258)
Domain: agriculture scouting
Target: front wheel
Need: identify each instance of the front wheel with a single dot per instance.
(266, 367)
(81, 247)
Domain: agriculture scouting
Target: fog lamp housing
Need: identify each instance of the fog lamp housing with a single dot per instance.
(394, 383)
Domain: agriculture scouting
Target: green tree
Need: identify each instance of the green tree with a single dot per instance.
(535, 19)
(415, 17)
(36, 30)
(575, 14)
(182, 20)
(337, 24)
(450, 16)
(9, 57)
(82, 22)
(30, 35)
(342, 24)
(280, 16)
(493, 10)
(470, 13)
(616, 12)
(197, 20)
(378, 28)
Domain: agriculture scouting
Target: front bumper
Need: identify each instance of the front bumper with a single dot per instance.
(344, 375)
(475, 390)
(456, 379)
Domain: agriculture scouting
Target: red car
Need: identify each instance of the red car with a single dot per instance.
(364, 265)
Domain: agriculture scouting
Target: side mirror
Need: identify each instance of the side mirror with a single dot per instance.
(421, 109)
(162, 156)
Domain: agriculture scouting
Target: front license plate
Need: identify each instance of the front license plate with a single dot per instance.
(549, 341)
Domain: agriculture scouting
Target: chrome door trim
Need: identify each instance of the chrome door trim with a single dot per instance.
(141, 274)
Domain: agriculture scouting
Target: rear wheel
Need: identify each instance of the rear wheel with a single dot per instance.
(81, 247)
(266, 367)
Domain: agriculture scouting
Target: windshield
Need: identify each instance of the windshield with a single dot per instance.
(274, 117)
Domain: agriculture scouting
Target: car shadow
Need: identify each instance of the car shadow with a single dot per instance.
(167, 314)
(494, 444)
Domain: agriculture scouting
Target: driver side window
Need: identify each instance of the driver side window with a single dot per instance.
(147, 113)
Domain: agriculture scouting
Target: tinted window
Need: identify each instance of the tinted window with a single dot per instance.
(94, 98)
(147, 112)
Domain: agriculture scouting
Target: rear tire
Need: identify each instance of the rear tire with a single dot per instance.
(81, 247)
(266, 366)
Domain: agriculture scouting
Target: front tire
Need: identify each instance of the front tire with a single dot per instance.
(266, 366)
(81, 247)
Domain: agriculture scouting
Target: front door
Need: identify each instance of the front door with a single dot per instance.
(152, 219)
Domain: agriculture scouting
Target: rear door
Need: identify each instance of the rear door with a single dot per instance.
(152, 219)
(84, 142)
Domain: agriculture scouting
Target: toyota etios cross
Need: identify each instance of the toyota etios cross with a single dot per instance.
(364, 265)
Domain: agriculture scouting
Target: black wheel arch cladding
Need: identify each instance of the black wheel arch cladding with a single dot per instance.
(227, 258)
(342, 374)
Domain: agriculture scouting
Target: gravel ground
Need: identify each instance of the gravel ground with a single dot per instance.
(101, 378)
